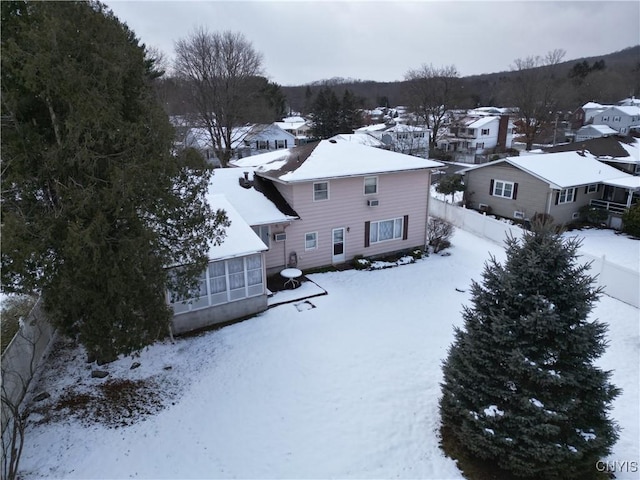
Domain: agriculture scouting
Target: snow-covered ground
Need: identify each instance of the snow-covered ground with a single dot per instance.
(346, 385)
(617, 247)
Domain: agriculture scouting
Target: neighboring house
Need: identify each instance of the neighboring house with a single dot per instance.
(350, 200)
(298, 127)
(245, 141)
(558, 184)
(593, 131)
(264, 138)
(618, 118)
(233, 285)
(402, 138)
(360, 138)
(472, 137)
(585, 114)
(620, 152)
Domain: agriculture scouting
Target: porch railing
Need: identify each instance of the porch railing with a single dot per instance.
(613, 207)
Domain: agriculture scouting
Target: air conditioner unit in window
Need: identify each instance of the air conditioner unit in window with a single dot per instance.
(373, 203)
(280, 237)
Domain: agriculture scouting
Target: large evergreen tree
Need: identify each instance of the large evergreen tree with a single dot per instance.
(325, 112)
(94, 206)
(520, 388)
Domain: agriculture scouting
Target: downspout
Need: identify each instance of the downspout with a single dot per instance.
(549, 202)
(426, 223)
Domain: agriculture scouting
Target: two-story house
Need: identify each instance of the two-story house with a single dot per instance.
(470, 138)
(619, 118)
(310, 206)
(296, 126)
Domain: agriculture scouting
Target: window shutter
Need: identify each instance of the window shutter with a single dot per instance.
(575, 194)
(557, 197)
(515, 191)
(491, 187)
(367, 231)
(586, 189)
(285, 143)
(405, 227)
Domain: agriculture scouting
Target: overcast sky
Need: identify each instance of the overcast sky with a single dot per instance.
(304, 41)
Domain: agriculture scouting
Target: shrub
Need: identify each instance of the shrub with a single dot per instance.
(361, 263)
(438, 234)
(631, 221)
(593, 215)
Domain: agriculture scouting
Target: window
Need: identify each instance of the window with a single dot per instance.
(480, 146)
(263, 232)
(311, 241)
(616, 118)
(605, 119)
(592, 188)
(385, 230)
(370, 185)
(503, 189)
(485, 131)
(320, 191)
(224, 281)
(262, 144)
(281, 144)
(567, 195)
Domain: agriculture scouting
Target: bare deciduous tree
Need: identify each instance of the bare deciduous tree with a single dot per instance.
(219, 68)
(19, 365)
(534, 92)
(431, 91)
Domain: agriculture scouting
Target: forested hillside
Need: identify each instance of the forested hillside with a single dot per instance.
(615, 76)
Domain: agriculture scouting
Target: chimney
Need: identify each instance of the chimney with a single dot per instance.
(244, 181)
(503, 127)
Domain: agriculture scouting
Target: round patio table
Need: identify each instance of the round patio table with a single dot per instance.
(292, 275)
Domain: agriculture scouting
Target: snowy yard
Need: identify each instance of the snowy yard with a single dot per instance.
(347, 389)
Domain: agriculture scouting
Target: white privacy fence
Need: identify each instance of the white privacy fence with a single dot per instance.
(618, 281)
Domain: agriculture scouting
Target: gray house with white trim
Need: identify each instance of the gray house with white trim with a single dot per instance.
(558, 184)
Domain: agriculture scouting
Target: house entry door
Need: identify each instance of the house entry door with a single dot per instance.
(338, 245)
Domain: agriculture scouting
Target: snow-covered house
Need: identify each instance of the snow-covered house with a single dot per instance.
(349, 200)
(619, 118)
(233, 285)
(593, 131)
(558, 184)
(296, 126)
(402, 138)
(470, 138)
(246, 140)
(585, 114)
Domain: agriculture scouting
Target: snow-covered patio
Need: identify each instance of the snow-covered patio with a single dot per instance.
(346, 386)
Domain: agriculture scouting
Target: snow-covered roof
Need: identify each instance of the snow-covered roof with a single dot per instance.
(361, 138)
(481, 122)
(253, 205)
(401, 127)
(630, 181)
(630, 110)
(592, 105)
(377, 127)
(240, 238)
(334, 159)
(601, 129)
(563, 169)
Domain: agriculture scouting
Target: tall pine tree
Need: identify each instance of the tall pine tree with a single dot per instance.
(520, 390)
(94, 206)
